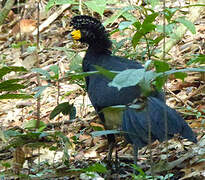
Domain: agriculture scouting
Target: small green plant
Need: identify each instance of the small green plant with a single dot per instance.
(52, 76)
(8, 88)
(141, 175)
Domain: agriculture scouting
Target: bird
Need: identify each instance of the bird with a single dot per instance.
(133, 123)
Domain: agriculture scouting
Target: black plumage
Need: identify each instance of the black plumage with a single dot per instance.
(134, 122)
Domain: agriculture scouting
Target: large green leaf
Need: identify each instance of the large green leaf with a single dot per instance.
(124, 25)
(7, 69)
(169, 12)
(161, 66)
(10, 85)
(15, 96)
(108, 74)
(75, 63)
(173, 71)
(150, 18)
(146, 28)
(188, 24)
(129, 77)
(80, 76)
(55, 70)
(32, 124)
(153, 3)
(39, 90)
(169, 28)
(52, 3)
(116, 15)
(146, 83)
(97, 167)
(98, 6)
(129, 16)
(42, 72)
(136, 38)
(64, 108)
(198, 58)
(180, 75)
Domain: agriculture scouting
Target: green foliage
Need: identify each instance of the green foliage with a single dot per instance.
(96, 6)
(188, 24)
(142, 175)
(31, 125)
(19, 44)
(161, 66)
(129, 77)
(143, 28)
(64, 108)
(153, 3)
(15, 96)
(108, 74)
(47, 75)
(8, 87)
(145, 79)
(42, 72)
(197, 58)
(97, 167)
(7, 69)
(169, 13)
(55, 70)
(168, 29)
(6, 165)
(75, 62)
(180, 75)
(52, 3)
(75, 68)
(121, 12)
(194, 112)
(39, 90)
(80, 76)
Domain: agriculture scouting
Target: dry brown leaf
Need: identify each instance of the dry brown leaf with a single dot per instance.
(201, 108)
(96, 125)
(25, 26)
(195, 171)
(91, 153)
(86, 139)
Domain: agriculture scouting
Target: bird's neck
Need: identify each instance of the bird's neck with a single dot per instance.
(93, 51)
(93, 57)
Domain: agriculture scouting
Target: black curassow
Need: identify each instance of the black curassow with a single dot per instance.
(131, 121)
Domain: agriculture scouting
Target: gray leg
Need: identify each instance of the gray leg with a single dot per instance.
(135, 156)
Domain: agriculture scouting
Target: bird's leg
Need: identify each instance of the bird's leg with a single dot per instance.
(111, 141)
(116, 159)
(135, 156)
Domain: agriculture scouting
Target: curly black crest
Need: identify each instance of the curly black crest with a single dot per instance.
(93, 32)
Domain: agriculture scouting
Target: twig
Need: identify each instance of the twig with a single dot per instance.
(52, 18)
(195, 92)
(185, 102)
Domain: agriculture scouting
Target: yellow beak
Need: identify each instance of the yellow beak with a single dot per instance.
(76, 35)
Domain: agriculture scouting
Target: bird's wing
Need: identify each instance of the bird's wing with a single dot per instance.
(154, 116)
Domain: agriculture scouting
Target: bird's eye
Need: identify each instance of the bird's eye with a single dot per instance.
(76, 34)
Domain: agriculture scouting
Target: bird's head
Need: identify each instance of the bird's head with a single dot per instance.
(90, 30)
